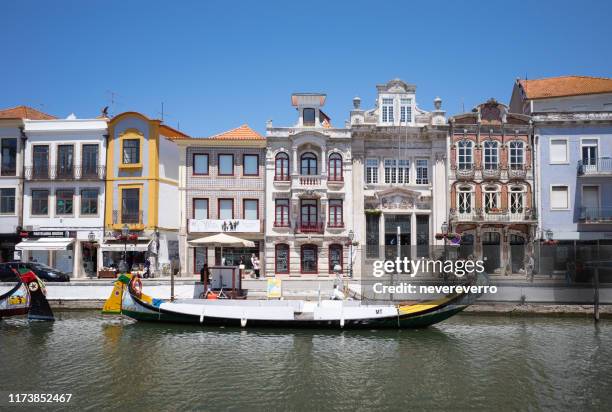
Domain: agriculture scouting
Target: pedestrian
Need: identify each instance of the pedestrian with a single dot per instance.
(204, 274)
(255, 263)
(147, 266)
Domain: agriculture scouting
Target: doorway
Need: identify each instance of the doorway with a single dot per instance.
(392, 222)
(517, 253)
(491, 250)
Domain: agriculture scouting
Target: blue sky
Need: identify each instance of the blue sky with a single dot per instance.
(217, 65)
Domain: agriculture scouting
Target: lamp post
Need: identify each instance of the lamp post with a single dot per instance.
(351, 236)
(91, 237)
(125, 231)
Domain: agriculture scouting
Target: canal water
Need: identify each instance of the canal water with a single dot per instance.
(468, 362)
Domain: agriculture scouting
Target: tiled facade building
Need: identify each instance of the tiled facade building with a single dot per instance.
(491, 186)
(221, 190)
(308, 193)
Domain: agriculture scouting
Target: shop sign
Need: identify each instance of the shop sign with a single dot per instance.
(221, 225)
(46, 233)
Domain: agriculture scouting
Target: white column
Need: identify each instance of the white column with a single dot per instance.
(323, 160)
(76, 259)
(413, 230)
(381, 233)
(294, 168)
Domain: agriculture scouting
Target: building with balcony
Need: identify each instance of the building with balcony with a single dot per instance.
(221, 190)
(309, 193)
(64, 193)
(399, 172)
(491, 186)
(12, 140)
(142, 174)
(572, 117)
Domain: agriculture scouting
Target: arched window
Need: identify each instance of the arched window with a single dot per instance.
(517, 155)
(308, 259)
(464, 200)
(335, 167)
(281, 166)
(281, 258)
(308, 164)
(517, 199)
(465, 158)
(491, 199)
(491, 155)
(335, 257)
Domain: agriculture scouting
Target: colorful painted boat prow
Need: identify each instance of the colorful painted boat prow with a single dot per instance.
(127, 298)
(28, 296)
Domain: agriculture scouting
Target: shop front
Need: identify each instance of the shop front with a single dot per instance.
(136, 253)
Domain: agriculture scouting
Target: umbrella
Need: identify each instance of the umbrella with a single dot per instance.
(221, 239)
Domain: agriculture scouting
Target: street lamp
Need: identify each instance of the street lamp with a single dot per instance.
(444, 228)
(125, 231)
(91, 237)
(351, 236)
(549, 235)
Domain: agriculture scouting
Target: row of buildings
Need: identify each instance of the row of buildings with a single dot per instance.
(393, 179)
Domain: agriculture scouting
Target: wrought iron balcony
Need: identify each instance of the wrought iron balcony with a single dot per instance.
(596, 214)
(517, 172)
(128, 216)
(595, 167)
(90, 172)
(491, 173)
(493, 215)
(309, 227)
(39, 172)
(465, 174)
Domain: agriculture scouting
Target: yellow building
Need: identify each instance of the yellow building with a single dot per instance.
(142, 193)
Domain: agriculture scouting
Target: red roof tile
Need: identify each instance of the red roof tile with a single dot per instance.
(565, 86)
(243, 132)
(24, 112)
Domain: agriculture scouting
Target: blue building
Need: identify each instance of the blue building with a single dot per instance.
(572, 118)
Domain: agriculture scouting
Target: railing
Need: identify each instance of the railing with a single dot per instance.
(284, 178)
(335, 225)
(90, 172)
(309, 227)
(335, 179)
(600, 166)
(39, 173)
(492, 216)
(464, 174)
(494, 173)
(596, 214)
(281, 224)
(314, 180)
(129, 217)
(64, 171)
(517, 172)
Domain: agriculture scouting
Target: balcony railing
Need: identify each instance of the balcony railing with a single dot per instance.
(596, 214)
(90, 172)
(600, 166)
(464, 174)
(310, 180)
(39, 172)
(129, 217)
(335, 179)
(282, 224)
(517, 172)
(335, 225)
(477, 215)
(309, 227)
(283, 178)
(493, 173)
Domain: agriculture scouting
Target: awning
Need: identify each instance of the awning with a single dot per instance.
(139, 246)
(45, 243)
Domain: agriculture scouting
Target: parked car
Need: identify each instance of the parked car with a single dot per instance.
(41, 270)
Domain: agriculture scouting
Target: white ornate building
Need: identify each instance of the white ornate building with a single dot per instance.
(308, 193)
(399, 179)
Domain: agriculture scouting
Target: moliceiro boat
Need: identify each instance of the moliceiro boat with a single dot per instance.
(27, 297)
(127, 298)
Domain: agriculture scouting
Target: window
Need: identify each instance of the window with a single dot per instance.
(64, 201)
(491, 199)
(559, 197)
(308, 213)
(308, 163)
(40, 162)
(422, 172)
(65, 161)
(558, 151)
(281, 213)
(403, 171)
(464, 200)
(131, 151)
(200, 208)
(309, 116)
(390, 171)
(89, 201)
(281, 258)
(200, 164)
(251, 209)
(335, 213)
(335, 167)
(335, 257)
(40, 202)
(491, 155)
(9, 157)
(89, 159)
(250, 165)
(589, 153)
(199, 258)
(226, 165)
(371, 171)
(226, 209)
(308, 259)
(464, 154)
(516, 155)
(281, 166)
(7, 201)
(387, 110)
(130, 205)
(406, 110)
(516, 200)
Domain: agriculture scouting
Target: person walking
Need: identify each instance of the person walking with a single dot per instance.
(255, 263)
